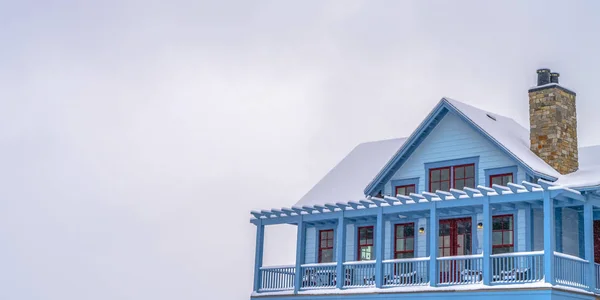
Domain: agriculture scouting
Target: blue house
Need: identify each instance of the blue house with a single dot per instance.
(470, 205)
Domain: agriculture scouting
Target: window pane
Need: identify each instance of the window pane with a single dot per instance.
(435, 186)
(410, 189)
(459, 172)
(496, 180)
(327, 256)
(330, 234)
(497, 238)
(410, 243)
(400, 245)
(470, 171)
(508, 238)
(330, 244)
(366, 253)
(409, 230)
(435, 175)
(459, 184)
(509, 223)
(445, 174)
(445, 186)
(400, 191)
(470, 182)
(400, 231)
(446, 251)
(507, 179)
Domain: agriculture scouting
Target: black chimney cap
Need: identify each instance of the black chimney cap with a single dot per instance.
(543, 76)
(554, 77)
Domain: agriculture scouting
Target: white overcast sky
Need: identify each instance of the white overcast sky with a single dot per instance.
(136, 136)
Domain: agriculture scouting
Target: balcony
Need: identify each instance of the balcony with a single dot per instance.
(430, 270)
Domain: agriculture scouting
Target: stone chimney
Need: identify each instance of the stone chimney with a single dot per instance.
(553, 123)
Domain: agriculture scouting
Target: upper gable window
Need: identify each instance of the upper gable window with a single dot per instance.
(405, 189)
(501, 179)
(457, 177)
(439, 179)
(464, 176)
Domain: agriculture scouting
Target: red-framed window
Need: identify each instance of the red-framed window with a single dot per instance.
(456, 177)
(404, 242)
(326, 246)
(503, 234)
(464, 176)
(501, 179)
(439, 179)
(366, 250)
(405, 189)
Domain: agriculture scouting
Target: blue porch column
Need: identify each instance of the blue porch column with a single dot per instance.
(549, 237)
(487, 241)
(300, 244)
(379, 244)
(339, 251)
(588, 223)
(433, 245)
(258, 256)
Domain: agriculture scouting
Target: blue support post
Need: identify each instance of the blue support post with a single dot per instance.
(258, 256)
(549, 236)
(300, 244)
(433, 248)
(487, 241)
(588, 220)
(379, 249)
(339, 251)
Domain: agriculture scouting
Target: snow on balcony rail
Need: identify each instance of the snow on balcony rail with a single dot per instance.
(358, 262)
(460, 257)
(371, 202)
(529, 253)
(397, 260)
(319, 265)
(277, 267)
(571, 257)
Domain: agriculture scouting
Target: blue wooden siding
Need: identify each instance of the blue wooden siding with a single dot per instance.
(521, 229)
(421, 250)
(310, 251)
(388, 234)
(453, 139)
(350, 242)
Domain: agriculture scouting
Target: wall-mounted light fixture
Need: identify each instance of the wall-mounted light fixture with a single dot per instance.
(421, 230)
(479, 225)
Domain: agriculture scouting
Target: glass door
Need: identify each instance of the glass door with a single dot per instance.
(454, 238)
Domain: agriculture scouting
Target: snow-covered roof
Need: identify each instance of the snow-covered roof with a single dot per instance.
(347, 180)
(588, 175)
